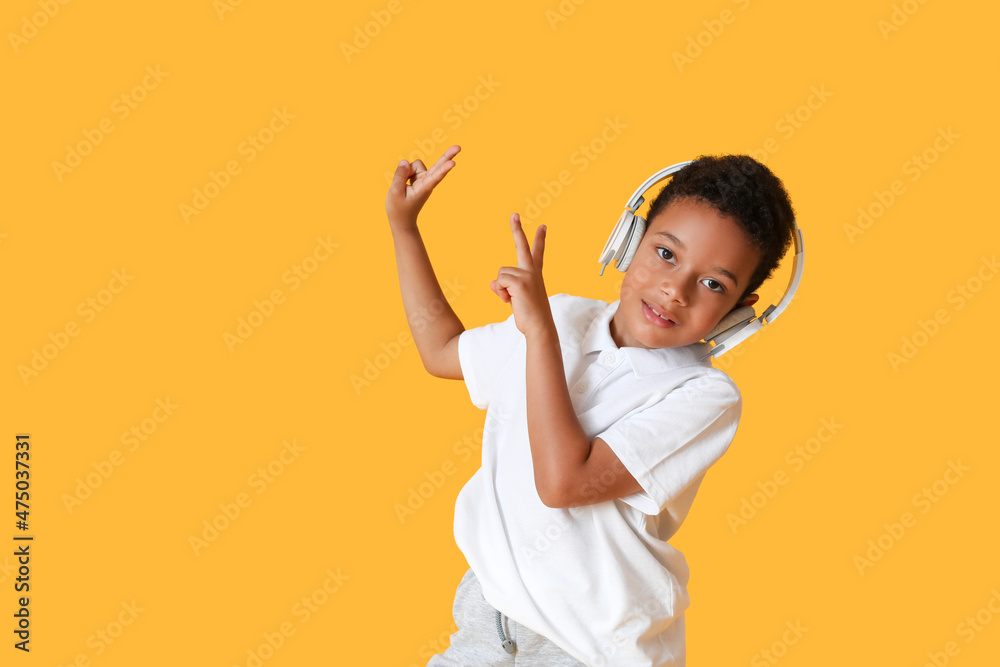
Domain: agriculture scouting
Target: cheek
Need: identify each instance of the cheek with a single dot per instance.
(718, 313)
(632, 283)
(638, 274)
(627, 289)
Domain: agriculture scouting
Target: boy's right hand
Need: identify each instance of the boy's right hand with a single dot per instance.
(412, 185)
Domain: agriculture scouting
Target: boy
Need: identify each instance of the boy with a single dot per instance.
(602, 419)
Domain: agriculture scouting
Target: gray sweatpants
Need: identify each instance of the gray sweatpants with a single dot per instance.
(477, 642)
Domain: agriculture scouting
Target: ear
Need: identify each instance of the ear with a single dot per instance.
(749, 301)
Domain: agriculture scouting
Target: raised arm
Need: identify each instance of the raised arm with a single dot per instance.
(433, 324)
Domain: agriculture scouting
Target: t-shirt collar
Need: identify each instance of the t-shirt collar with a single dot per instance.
(644, 362)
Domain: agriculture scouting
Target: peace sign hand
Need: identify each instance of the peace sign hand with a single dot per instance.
(522, 285)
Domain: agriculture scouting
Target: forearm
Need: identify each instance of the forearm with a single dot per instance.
(559, 445)
(430, 317)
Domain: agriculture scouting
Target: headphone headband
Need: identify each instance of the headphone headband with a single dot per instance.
(650, 182)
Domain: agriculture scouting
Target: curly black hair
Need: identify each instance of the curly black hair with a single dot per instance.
(743, 188)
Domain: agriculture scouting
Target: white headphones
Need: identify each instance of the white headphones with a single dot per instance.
(740, 323)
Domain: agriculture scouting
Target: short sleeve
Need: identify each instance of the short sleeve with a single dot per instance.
(671, 443)
(483, 353)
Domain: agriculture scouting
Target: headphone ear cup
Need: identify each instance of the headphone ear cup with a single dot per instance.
(635, 233)
(617, 241)
(733, 319)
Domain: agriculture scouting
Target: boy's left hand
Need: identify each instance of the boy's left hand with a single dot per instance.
(522, 285)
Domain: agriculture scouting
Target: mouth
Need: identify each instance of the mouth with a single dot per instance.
(656, 318)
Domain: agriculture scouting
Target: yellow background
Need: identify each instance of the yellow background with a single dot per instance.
(365, 447)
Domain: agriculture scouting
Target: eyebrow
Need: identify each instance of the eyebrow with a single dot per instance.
(680, 245)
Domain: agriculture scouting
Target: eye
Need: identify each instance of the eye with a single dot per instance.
(670, 254)
(713, 285)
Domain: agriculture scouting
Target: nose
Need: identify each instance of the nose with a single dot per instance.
(675, 288)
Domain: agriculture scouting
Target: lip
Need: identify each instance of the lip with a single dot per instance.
(657, 320)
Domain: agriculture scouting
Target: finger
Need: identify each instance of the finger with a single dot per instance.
(539, 248)
(448, 155)
(500, 291)
(418, 168)
(524, 259)
(505, 280)
(434, 175)
(400, 177)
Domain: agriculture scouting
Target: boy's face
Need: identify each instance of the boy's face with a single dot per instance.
(691, 267)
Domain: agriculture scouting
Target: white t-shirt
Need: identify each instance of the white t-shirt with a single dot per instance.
(600, 580)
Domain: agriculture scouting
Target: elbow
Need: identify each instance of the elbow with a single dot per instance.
(548, 501)
(551, 502)
(563, 488)
(551, 495)
(432, 365)
(444, 372)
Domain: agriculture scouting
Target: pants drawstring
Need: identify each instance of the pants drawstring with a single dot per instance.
(507, 644)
